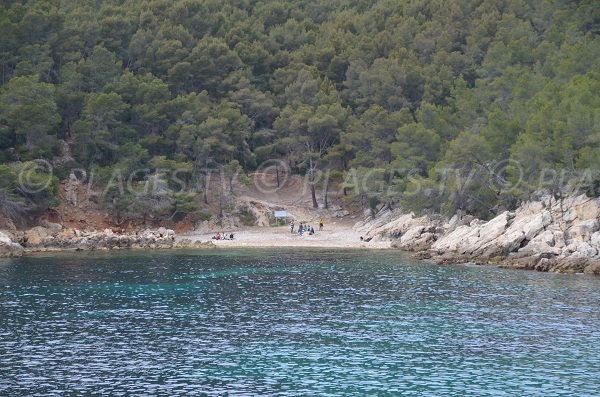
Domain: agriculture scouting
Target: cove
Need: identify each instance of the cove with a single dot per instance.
(292, 322)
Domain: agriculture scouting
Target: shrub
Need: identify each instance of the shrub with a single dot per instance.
(246, 216)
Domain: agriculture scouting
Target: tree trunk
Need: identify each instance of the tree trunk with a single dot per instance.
(206, 181)
(326, 190)
(277, 173)
(314, 196)
(311, 180)
(205, 191)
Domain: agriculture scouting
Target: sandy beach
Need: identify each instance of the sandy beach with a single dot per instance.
(334, 236)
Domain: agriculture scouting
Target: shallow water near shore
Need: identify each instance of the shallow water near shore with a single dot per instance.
(292, 322)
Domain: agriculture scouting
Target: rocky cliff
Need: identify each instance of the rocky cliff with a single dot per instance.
(546, 235)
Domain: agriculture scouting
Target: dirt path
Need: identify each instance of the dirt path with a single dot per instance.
(263, 196)
(292, 195)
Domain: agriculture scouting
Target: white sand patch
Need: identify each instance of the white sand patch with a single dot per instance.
(334, 236)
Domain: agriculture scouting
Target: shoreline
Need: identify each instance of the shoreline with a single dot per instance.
(548, 235)
(441, 259)
(533, 237)
(215, 248)
(272, 237)
(41, 240)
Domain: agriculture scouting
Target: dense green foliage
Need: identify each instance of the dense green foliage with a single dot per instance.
(427, 99)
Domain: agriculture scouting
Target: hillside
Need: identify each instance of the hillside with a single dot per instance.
(433, 106)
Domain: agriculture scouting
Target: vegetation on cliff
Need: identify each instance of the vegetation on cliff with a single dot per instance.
(440, 105)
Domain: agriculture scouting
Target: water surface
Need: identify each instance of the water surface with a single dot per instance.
(292, 322)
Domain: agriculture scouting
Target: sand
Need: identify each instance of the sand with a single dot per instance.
(293, 196)
(334, 236)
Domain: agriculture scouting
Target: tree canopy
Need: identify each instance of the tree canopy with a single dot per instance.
(435, 92)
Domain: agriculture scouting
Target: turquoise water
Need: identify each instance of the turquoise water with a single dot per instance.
(292, 322)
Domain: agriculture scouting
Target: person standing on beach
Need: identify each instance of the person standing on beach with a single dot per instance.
(300, 229)
(292, 227)
(321, 223)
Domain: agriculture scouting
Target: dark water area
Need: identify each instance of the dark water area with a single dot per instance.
(292, 322)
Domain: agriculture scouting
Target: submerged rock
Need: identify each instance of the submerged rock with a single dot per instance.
(189, 243)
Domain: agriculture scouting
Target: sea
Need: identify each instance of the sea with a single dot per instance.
(292, 322)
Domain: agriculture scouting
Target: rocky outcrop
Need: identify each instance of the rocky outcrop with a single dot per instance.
(545, 235)
(55, 238)
(42, 239)
(36, 236)
(506, 233)
(408, 232)
(8, 248)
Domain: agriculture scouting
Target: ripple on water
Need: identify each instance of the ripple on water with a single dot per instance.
(289, 322)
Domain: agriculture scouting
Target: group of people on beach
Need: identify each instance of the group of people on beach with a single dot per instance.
(222, 236)
(304, 228)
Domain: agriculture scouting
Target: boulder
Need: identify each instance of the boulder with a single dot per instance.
(422, 255)
(459, 219)
(584, 249)
(490, 242)
(559, 238)
(51, 226)
(582, 230)
(454, 240)
(543, 243)
(545, 264)
(537, 223)
(595, 240)
(35, 236)
(340, 213)
(521, 227)
(585, 208)
(579, 249)
(571, 264)
(166, 233)
(9, 248)
(525, 263)
(592, 268)
(486, 239)
(423, 242)
(411, 234)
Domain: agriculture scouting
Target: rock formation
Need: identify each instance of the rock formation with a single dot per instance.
(545, 235)
(9, 248)
(40, 239)
(55, 238)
